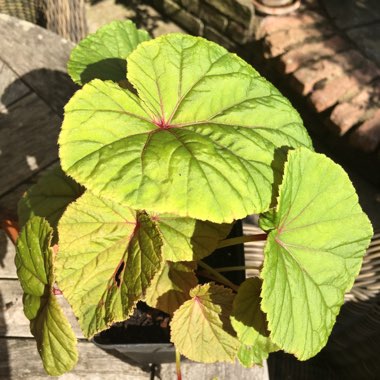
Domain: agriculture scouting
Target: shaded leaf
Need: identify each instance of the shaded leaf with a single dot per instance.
(313, 253)
(103, 54)
(250, 324)
(108, 256)
(187, 239)
(49, 197)
(55, 339)
(198, 141)
(201, 328)
(170, 286)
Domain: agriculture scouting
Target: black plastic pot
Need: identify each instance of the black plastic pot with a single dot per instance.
(144, 354)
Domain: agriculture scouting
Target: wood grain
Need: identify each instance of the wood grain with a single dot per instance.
(19, 360)
(28, 140)
(39, 59)
(13, 322)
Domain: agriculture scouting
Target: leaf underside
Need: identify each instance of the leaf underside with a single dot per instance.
(55, 338)
(103, 54)
(108, 256)
(198, 140)
(201, 329)
(313, 253)
(250, 324)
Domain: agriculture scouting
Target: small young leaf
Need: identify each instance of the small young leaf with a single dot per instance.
(250, 324)
(170, 286)
(49, 197)
(187, 239)
(55, 339)
(198, 141)
(313, 253)
(103, 54)
(201, 329)
(108, 256)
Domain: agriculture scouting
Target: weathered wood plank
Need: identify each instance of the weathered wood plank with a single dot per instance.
(13, 322)
(28, 140)
(7, 257)
(39, 58)
(19, 360)
(11, 89)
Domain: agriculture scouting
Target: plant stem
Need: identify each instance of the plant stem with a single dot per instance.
(234, 269)
(218, 276)
(242, 239)
(178, 364)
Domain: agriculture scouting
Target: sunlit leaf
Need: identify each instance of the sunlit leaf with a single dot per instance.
(313, 253)
(55, 339)
(199, 140)
(103, 54)
(108, 256)
(201, 329)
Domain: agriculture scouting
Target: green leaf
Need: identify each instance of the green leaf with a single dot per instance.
(313, 253)
(103, 54)
(171, 285)
(187, 239)
(49, 197)
(250, 324)
(108, 256)
(55, 339)
(201, 329)
(198, 141)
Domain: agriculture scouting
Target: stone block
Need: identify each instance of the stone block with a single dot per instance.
(213, 18)
(180, 16)
(367, 136)
(305, 78)
(191, 6)
(238, 10)
(282, 41)
(239, 33)
(273, 24)
(213, 35)
(295, 58)
(343, 87)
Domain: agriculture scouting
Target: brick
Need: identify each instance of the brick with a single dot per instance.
(341, 88)
(347, 114)
(367, 136)
(213, 18)
(213, 35)
(238, 10)
(180, 16)
(282, 41)
(191, 6)
(273, 24)
(239, 33)
(297, 57)
(305, 78)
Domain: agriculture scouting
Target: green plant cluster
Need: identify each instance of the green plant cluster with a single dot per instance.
(167, 143)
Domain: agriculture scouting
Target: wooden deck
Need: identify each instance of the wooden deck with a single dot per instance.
(34, 87)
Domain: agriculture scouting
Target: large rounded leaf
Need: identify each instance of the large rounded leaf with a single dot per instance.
(108, 256)
(55, 338)
(199, 140)
(201, 329)
(313, 253)
(103, 54)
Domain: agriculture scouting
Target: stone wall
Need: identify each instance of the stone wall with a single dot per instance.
(227, 22)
